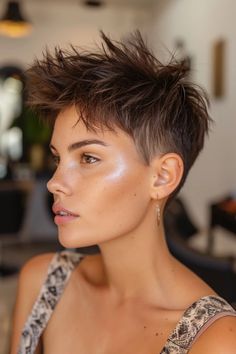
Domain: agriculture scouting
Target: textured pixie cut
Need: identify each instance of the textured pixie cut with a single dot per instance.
(123, 85)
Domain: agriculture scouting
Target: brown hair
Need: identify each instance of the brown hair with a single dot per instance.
(123, 85)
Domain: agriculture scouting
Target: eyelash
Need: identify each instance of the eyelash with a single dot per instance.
(56, 159)
(87, 156)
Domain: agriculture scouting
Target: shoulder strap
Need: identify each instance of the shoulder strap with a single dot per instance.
(194, 321)
(58, 274)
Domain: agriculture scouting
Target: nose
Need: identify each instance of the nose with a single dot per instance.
(57, 184)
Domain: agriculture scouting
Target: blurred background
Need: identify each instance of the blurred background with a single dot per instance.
(201, 223)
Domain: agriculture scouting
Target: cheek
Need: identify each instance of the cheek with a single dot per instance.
(122, 208)
(118, 192)
(124, 194)
(119, 172)
(123, 181)
(110, 206)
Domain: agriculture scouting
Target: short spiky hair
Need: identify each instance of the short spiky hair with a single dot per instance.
(122, 84)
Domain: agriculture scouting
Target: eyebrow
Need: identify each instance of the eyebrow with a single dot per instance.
(79, 144)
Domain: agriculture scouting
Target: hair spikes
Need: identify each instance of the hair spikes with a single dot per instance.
(121, 84)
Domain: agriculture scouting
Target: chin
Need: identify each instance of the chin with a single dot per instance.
(68, 240)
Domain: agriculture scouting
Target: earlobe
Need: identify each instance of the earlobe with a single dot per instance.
(168, 171)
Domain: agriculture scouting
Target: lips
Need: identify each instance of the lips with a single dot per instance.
(59, 210)
(63, 215)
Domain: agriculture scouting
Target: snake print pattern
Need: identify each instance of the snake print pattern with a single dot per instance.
(59, 272)
(194, 319)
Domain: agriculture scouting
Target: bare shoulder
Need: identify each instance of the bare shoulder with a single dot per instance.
(30, 281)
(190, 285)
(37, 263)
(32, 275)
(219, 338)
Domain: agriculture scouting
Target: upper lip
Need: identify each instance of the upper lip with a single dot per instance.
(56, 208)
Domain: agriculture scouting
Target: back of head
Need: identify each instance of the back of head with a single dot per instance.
(123, 85)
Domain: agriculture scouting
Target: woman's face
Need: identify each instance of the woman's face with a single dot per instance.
(100, 186)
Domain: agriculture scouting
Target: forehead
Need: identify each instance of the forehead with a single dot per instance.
(69, 128)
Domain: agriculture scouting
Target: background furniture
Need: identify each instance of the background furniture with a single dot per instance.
(218, 272)
(12, 209)
(223, 214)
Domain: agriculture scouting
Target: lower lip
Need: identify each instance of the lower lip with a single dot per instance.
(59, 220)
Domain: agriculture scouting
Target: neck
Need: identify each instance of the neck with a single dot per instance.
(138, 266)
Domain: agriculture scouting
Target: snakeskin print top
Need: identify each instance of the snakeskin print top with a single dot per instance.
(193, 322)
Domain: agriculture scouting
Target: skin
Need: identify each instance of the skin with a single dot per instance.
(132, 294)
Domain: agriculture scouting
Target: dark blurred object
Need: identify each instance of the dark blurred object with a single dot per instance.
(13, 23)
(223, 214)
(12, 209)
(12, 71)
(218, 272)
(93, 3)
(178, 218)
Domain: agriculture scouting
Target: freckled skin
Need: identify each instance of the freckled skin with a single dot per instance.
(110, 195)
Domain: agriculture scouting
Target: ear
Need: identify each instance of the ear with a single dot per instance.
(167, 172)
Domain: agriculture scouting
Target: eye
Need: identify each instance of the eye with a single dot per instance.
(88, 159)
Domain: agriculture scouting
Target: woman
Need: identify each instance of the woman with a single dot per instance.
(127, 130)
